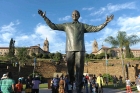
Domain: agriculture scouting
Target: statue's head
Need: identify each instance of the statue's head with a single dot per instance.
(75, 15)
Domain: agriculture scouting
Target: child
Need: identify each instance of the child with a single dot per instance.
(93, 88)
(19, 87)
(69, 87)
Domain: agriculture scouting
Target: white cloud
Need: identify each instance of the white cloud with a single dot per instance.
(110, 8)
(113, 8)
(100, 11)
(8, 31)
(66, 18)
(89, 8)
(43, 31)
(54, 37)
(40, 33)
(58, 46)
(88, 46)
(6, 37)
(10, 27)
(129, 24)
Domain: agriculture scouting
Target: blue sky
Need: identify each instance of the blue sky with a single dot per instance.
(19, 20)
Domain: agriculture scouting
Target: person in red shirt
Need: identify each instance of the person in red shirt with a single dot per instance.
(19, 87)
(87, 77)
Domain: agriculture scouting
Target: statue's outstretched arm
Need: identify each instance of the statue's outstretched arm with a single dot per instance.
(90, 28)
(109, 18)
(49, 23)
(41, 13)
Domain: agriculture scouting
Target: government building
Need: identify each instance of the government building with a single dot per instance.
(115, 52)
(32, 49)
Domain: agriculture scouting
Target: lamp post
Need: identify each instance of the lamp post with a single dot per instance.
(34, 66)
(106, 63)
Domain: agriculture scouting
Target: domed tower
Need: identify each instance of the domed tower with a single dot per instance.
(46, 45)
(95, 46)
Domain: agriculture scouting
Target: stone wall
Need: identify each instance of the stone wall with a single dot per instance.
(47, 69)
(114, 69)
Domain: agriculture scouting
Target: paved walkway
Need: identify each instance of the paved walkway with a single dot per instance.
(106, 90)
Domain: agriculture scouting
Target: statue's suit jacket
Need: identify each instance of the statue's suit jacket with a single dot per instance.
(74, 33)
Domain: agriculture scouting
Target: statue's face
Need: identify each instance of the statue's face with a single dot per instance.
(75, 15)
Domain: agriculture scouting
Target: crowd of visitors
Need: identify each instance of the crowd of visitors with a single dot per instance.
(62, 84)
(8, 84)
(91, 84)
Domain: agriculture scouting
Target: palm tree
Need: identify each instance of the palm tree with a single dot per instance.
(131, 40)
(122, 40)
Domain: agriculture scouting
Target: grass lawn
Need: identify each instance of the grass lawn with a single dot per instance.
(123, 87)
(44, 85)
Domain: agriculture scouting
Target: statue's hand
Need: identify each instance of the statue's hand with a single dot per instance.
(40, 12)
(108, 19)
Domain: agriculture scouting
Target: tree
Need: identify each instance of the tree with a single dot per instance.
(57, 56)
(11, 48)
(39, 55)
(87, 58)
(51, 55)
(33, 54)
(131, 40)
(120, 41)
(11, 53)
(22, 56)
(91, 56)
(44, 56)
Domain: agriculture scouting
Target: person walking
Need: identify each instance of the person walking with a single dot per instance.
(75, 47)
(128, 85)
(100, 83)
(19, 87)
(61, 85)
(137, 82)
(8, 84)
(115, 79)
(66, 83)
(55, 84)
(120, 80)
(90, 83)
(28, 86)
(86, 84)
(36, 81)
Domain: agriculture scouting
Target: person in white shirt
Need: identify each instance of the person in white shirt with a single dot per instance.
(128, 85)
(137, 82)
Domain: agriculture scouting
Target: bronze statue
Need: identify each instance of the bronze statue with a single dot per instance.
(75, 46)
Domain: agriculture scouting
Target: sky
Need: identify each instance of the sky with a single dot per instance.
(19, 19)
